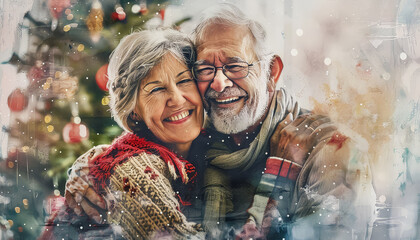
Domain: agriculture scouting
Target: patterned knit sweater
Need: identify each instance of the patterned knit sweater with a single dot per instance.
(135, 176)
(138, 180)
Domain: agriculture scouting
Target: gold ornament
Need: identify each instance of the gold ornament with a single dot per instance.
(58, 74)
(94, 21)
(50, 128)
(65, 86)
(80, 47)
(105, 100)
(25, 149)
(66, 28)
(10, 164)
(47, 118)
(46, 86)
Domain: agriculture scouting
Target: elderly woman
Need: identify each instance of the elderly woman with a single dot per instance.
(142, 176)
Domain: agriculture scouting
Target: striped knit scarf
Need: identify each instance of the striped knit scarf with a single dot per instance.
(217, 192)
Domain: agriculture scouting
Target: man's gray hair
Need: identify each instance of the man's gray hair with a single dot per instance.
(131, 62)
(230, 15)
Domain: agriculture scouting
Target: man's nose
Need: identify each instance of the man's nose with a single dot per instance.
(220, 81)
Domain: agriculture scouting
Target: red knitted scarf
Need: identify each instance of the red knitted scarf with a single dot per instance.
(128, 145)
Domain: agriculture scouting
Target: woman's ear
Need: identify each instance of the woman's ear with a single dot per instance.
(276, 67)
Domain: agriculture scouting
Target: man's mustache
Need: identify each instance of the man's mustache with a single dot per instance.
(227, 92)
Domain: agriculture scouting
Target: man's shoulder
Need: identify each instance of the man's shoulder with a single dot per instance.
(328, 130)
(332, 140)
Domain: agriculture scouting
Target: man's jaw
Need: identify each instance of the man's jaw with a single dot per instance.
(229, 110)
(237, 115)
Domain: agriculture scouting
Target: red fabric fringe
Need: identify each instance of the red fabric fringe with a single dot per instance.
(128, 145)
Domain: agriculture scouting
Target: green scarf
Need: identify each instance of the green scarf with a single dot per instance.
(217, 192)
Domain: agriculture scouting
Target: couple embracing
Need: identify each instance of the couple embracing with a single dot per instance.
(257, 166)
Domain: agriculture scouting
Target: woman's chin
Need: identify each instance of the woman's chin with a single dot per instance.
(186, 136)
(184, 131)
(177, 134)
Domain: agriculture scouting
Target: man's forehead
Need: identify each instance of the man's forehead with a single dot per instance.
(225, 52)
(225, 42)
(220, 48)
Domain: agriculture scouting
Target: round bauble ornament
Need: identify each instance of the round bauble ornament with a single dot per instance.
(57, 7)
(102, 77)
(75, 133)
(17, 101)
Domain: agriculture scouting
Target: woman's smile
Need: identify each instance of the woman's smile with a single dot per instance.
(179, 117)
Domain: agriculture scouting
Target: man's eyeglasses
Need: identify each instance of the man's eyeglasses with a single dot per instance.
(233, 71)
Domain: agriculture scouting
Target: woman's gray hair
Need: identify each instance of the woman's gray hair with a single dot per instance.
(131, 62)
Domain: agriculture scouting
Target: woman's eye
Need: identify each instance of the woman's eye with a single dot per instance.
(157, 89)
(185, 81)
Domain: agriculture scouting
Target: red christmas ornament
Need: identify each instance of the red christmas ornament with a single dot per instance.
(121, 16)
(114, 16)
(57, 7)
(75, 133)
(17, 101)
(102, 77)
(162, 14)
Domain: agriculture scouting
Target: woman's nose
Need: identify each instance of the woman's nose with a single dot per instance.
(176, 98)
(220, 81)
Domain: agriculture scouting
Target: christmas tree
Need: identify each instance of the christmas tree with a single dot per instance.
(63, 112)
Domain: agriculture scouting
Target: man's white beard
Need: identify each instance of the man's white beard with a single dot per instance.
(228, 122)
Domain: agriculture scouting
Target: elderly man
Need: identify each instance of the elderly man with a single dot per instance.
(316, 176)
(310, 176)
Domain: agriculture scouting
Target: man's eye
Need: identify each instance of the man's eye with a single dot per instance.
(205, 70)
(235, 67)
(157, 89)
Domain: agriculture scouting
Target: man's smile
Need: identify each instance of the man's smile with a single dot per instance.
(226, 100)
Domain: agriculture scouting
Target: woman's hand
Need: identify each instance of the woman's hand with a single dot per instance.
(80, 196)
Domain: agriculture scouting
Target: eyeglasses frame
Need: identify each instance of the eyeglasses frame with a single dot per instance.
(223, 71)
